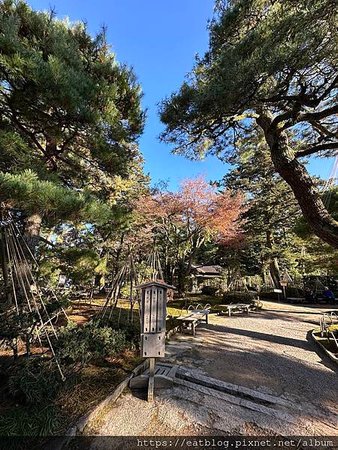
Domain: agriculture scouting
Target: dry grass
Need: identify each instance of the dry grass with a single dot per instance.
(90, 386)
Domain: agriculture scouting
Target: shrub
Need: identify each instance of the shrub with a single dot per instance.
(83, 344)
(270, 295)
(239, 297)
(131, 330)
(294, 292)
(209, 290)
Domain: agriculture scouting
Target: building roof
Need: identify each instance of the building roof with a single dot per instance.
(208, 270)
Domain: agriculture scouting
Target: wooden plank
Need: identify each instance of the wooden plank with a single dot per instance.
(233, 389)
(161, 371)
(247, 404)
(161, 310)
(153, 345)
(173, 371)
(188, 319)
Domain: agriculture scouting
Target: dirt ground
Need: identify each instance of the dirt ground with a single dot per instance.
(268, 351)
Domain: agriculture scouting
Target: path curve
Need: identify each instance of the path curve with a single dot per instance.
(269, 351)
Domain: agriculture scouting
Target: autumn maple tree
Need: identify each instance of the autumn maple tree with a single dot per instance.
(180, 223)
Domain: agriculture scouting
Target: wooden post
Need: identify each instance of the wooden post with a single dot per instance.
(151, 379)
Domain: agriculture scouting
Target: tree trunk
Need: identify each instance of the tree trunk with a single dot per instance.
(275, 273)
(297, 177)
(32, 232)
(181, 278)
(118, 255)
(273, 261)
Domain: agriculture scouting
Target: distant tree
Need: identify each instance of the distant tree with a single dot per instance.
(273, 63)
(180, 223)
(316, 256)
(271, 210)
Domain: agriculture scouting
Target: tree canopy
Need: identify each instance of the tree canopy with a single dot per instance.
(272, 64)
(69, 112)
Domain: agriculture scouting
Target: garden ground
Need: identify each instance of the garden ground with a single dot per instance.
(269, 351)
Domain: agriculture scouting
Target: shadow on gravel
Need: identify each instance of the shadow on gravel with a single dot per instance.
(262, 336)
(281, 365)
(298, 312)
(289, 316)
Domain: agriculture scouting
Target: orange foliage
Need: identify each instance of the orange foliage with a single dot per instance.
(198, 206)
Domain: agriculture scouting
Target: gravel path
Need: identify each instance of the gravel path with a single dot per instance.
(269, 351)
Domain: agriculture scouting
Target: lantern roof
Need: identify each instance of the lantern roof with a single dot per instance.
(158, 283)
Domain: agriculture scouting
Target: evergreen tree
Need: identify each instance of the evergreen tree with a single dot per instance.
(69, 113)
(277, 238)
(272, 63)
(271, 209)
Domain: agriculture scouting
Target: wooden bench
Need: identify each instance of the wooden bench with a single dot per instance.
(193, 318)
(296, 299)
(236, 307)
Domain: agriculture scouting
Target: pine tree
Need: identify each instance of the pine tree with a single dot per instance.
(271, 210)
(70, 113)
(273, 64)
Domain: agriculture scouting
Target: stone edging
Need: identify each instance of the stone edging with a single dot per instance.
(172, 332)
(329, 354)
(80, 425)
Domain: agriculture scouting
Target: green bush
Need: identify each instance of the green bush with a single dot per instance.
(131, 330)
(83, 344)
(239, 297)
(209, 290)
(132, 333)
(294, 292)
(270, 295)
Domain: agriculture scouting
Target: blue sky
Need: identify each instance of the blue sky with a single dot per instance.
(159, 39)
